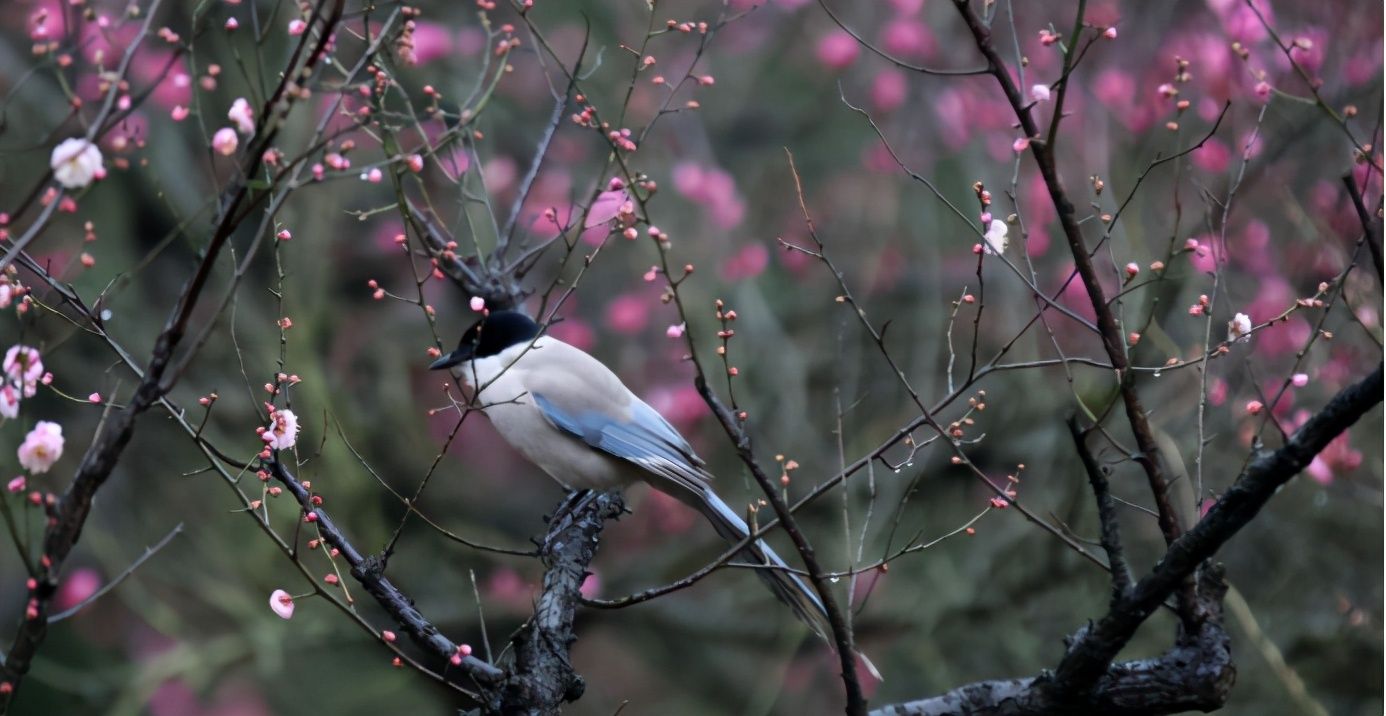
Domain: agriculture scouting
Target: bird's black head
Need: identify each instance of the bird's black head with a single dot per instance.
(489, 336)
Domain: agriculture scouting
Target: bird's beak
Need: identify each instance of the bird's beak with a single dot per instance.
(448, 360)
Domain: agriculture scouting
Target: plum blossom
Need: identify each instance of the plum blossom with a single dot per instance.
(477, 304)
(76, 162)
(1040, 93)
(23, 368)
(282, 432)
(9, 401)
(243, 116)
(41, 447)
(282, 603)
(995, 237)
(606, 207)
(225, 141)
(1239, 328)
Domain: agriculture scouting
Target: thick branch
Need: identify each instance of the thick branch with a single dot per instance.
(1199, 663)
(1196, 674)
(542, 678)
(1266, 474)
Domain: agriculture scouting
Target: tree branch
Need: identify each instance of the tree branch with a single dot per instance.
(542, 677)
(1197, 672)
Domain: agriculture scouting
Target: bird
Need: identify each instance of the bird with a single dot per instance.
(570, 415)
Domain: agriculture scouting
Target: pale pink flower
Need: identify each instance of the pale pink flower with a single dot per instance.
(477, 304)
(995, 237)
(296, 27)
(1239, 328)
(179, 113)
(282, 603)
(41, 447)
(1254, 407)
(23, 365)
(1040, 93)
(17, 483)
(225, 141)
(9, 401)
(283, 430)
(76, 162)
(606, 207)
(1299, 380)
(243, 116)
(674, 331)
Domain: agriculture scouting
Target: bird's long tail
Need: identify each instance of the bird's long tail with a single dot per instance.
(787, 586)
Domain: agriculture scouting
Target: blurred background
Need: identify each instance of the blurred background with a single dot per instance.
(190, 632)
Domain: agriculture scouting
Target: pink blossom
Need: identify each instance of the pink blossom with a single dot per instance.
(1239, 328)
(907, 7)
(680, 404)
(628, 313)
(77, 588)
(225, 141)
(591, 586)
(674, 331)
(9, 400)
(1040, 93)
(41, 447)
(1337, 457)
(575, 332)
(75, 162)
(606, 207)
(1299, 380)
(282, 604)
(477, 304)
(713, 188)
(178, 113)
(24, 365)
(17, 483)
(432, 41)
(296, 27)
(243, 116)
(889, 89)
(907, 39)
(837, 50)
(1254, 407)
(1212, 157)
(747, 263)
(282, 432)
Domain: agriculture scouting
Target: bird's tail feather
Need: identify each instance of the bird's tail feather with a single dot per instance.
(786, 585)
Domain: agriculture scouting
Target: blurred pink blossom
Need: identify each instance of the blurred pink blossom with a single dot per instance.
(575, 332)
(907, 7)
(712, 187)
(1213, 157)
(680, 404)
(889, 89)
(77, 587)
(908, 39)
(1337, 458)
(432, 41)
(628, 313)
(747, 263)
(837, 50)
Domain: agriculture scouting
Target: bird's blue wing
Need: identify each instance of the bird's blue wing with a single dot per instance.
(645, 438)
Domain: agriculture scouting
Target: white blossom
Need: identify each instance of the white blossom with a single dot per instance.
(76, 162)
